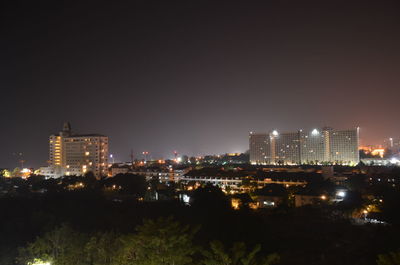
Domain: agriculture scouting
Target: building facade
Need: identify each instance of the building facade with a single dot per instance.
(286, 148)
(393, 145)
(260, 151)
(315, 147)
(77, 154)
(344, 147)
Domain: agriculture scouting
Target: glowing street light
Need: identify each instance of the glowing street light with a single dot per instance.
(341, 194)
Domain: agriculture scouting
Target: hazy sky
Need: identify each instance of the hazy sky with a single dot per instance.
(194, 76)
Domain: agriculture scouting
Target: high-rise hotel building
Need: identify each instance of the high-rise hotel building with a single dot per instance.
(343, 147)
(285, 147)
(77, 154)
(324, 146)
(260, 151)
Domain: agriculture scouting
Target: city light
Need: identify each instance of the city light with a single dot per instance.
(378, 151)
(39, 262)
(25, 172)
(394, 161)
(298, 147)
(341, 194)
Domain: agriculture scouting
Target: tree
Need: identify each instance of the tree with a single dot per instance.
(62, 246)
(392, 258)
(237, 255)
(130, 184)
(210, 198)
(16, 173)
(192, 160)
(159, 242)
(36, 181)
(103, 248)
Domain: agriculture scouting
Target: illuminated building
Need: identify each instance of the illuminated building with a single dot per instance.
(344, 147)
(260, 151)
(316, 147)
(223, 182)
(378, 152)
(285, 147)
(116, 169)
(393, 145)
(77, 154)
(313, 147)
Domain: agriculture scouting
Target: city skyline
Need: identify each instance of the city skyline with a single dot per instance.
(200, 132)
(194, 77)
(170, 154)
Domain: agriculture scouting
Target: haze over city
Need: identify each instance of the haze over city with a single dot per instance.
(196, 76)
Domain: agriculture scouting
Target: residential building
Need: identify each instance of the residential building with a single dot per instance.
(77, 154)
(285, 147)
(260, 152)
(312, 147)
(344, 147)
(393, 145)
(315, 147)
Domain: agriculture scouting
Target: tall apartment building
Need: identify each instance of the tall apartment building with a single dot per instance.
(344, 147)
(393, 145)
(313, 147)
(285, 148)
(317, 146)
(260, 151)
(76, 154)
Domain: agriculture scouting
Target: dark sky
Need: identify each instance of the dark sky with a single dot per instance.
(194, 76)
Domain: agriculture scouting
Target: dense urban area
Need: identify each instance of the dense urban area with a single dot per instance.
(200, 132)
(215, 209)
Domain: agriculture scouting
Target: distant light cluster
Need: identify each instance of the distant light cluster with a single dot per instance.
(325, 146)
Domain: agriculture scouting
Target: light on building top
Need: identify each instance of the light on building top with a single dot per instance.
(275, 133)
(315, 132)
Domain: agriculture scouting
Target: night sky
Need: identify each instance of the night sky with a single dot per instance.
(194, 76)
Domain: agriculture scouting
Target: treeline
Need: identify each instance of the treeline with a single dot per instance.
(162, 241)
(128, 184)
